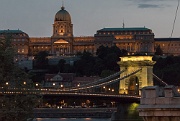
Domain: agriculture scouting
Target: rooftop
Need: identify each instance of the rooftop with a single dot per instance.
(11, 31)
(167, 39)
(125, 29)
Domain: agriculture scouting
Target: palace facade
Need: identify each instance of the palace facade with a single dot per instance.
(64, 43)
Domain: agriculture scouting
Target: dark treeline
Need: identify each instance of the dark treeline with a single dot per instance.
(103, 64)
(168, 69)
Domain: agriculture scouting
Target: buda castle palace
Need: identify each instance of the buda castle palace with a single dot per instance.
(63, 43)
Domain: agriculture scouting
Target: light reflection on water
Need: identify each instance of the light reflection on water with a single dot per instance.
(71, 119)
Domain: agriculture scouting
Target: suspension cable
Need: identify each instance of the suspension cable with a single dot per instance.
(173, 25)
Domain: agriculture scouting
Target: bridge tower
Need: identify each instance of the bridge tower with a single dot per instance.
(143, 66)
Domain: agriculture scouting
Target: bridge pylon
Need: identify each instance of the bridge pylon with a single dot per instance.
(144, 77)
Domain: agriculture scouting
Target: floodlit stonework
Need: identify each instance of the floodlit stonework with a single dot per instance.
(144, 77)
(160, 104)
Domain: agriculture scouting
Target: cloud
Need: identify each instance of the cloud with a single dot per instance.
(149, 6)
(143, 4)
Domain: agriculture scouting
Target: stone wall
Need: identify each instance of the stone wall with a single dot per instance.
(160, 104)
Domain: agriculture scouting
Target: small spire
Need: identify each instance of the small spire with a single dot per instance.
(62, 8)
(123, 24)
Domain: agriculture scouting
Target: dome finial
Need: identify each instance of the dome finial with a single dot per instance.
(62, 8)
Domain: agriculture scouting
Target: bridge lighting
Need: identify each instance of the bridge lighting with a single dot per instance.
(78, 85)
(178, 90)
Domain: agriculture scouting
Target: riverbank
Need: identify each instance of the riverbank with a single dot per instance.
(74, 112)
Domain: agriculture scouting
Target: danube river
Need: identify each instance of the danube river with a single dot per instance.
(71, 119)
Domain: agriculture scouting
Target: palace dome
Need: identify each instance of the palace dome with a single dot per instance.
(62, 15)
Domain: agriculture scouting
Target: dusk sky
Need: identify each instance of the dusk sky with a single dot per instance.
(35, 17)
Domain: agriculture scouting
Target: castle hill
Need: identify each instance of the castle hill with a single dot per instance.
(119, 73)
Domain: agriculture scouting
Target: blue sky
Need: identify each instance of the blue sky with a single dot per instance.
(35, 17)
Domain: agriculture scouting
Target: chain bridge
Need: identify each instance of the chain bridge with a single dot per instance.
(135, 73)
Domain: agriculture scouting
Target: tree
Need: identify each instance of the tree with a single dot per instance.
(111, 62)
(168, 70)
(102, 51)
(159, 51)
(106, 73)
(61, 65)
(15, 107)
(41, 60)
(84, 66)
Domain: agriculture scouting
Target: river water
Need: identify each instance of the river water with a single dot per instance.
(72, 119)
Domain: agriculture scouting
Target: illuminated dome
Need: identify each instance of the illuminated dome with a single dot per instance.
(62, 15)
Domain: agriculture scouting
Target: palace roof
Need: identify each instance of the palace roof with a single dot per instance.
(10, 31)
(125, 29)
(167, 39)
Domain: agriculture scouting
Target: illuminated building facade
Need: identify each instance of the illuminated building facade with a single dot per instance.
(62, 42)
(169, 46)
(140, 71)
(135, 40)
(20, 41)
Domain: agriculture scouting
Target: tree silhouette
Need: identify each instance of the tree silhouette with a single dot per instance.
(15, 107)
(158, 51)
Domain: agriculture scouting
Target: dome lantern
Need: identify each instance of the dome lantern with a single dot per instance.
(62, 15)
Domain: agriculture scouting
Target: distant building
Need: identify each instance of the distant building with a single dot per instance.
(169, 46)
(20, 41)
(135, 40)
(60, 80)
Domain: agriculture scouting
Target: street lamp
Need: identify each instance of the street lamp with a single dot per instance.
(7, 83)
(36, 84)
(24, 83)
(78, 85)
